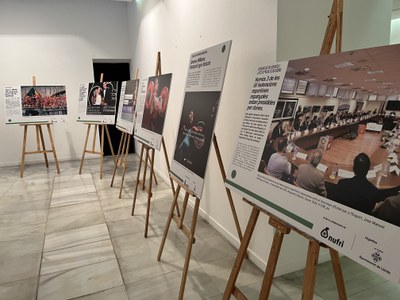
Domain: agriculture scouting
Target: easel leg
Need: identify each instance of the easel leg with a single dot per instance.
(230, 287)
(120, 160)
(272, 259)
(53, 148)
(337, 269)
(168, 223)
(145, 166)
(169, 169)
(137, 181)
(109, 142)
(23, 151)
(311, 270)
(43, 146)
(149, 194)
(124, 164)
(102, 151)
(84, 149)
(121, 141)
(189, 249)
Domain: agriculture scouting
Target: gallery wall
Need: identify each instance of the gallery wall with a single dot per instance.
(178, 28)
(56, 41)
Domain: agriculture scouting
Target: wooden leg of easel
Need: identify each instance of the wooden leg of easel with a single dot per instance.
(84, 149)
(121, 141)
(228, 191)
(43, 146)
(109, 142)
(230, 287)
(145, 166)
(53, 148)
(184, 206)
(102, 151)
(149, 194)
(124, 164)
(337, 269)
(120, 160)
(311, 270)
(23, 151)
(168, 223)
(137, 181)
(189, 249)
(94, 137)
(154, 173)
(273, 257)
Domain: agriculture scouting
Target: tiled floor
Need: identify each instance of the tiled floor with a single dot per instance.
(68, 236)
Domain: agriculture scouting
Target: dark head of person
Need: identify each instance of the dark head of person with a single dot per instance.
(281, 145)
(361, 165)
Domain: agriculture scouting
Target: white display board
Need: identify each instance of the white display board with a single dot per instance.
(127, 105)
(343, 222)
(27, 104)
(204, 82)
(97, 102)
(153, 109)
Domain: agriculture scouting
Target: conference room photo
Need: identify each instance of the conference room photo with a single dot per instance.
(335, 130)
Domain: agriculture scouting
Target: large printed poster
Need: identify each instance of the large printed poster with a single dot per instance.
(97, 102)
(127, 105)
(333, 173)
(204, 84)
(35, 104)
(153, 110)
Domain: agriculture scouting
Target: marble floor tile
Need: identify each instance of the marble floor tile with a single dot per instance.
(124, 213)
(386, 290)
(15, 268)
(73, 283)
(112, 202)
(130, 226)
(76, 237)
(118, 293)
(212, 249)
(166, 286)
(72, 191)
(76, 209)
(75, 221)
(14, 232)
(82, 255)
(75, 199)
(21, 247)
(24, 217)
(19, 290)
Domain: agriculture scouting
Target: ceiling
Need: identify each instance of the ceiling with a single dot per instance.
(373, 71)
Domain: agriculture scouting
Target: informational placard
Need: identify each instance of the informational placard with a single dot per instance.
(205, 79)
(154, 110)
(97, 102)
(26, 104)
(346, 195)
(127, 105)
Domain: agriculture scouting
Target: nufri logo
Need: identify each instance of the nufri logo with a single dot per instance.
(325, 234)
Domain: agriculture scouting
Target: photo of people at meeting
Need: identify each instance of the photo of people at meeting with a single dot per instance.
(342, 139)
(156, 103)
(102, 98)
(43, 100)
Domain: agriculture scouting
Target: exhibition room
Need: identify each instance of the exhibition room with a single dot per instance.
(171, 149)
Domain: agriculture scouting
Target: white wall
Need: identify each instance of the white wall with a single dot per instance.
(178, 28)
(56, 41)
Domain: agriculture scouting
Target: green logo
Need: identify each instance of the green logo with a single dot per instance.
(233, 174)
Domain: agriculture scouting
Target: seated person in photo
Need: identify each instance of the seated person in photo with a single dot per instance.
(357, 192)
(329, 120)
(388, 210)
(309, 177)
(304, 125)
(288, 127)
(268, 151)
(313, 124)
(278, 166)
(297, 123)
(278, 131)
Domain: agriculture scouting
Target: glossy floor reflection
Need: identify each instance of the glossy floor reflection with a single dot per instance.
(68, 236)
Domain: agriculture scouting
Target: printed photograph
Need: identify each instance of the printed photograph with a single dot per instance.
(102, 98)
(347, 151)
(156, 103)
(43, 100)
(195, 130)
(129, 102)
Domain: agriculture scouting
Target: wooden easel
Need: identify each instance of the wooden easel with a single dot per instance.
(39, 141)
(103, 128)
(149, 156)
(188, 231)
(281, 228)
